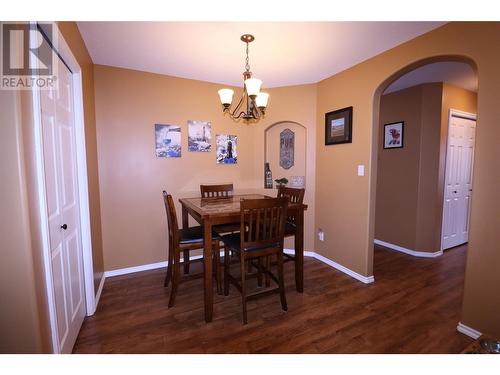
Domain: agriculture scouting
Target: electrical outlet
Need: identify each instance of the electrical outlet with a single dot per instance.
(321, 235)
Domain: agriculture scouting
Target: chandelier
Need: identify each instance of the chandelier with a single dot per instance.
(253, 103)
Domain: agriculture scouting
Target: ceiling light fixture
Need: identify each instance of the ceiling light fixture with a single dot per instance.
(253, 102)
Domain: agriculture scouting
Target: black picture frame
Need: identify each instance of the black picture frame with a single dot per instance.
(389, 140)
(338, 126)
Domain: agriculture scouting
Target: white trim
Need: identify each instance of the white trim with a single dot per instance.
(421, 254)
(451, 113)
(312, 254)
(99, 291)
(65, 52)
(144, 267)
(125, 271)
(466, 330)
(337, 266)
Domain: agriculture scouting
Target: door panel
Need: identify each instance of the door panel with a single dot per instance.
(458, 181)
(60, 166)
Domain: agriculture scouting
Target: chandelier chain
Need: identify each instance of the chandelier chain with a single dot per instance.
(247, 63)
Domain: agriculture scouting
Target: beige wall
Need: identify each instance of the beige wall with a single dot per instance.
(398, 169)
(128, 104)
(19, 315)
(345, 203)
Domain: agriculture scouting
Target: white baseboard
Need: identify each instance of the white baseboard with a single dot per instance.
(337, 266)
(312, 254)
(145, 267)
(466, 330)
(421, 254)
(99, 291)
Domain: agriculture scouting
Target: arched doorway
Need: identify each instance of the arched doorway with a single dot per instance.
(411, 163)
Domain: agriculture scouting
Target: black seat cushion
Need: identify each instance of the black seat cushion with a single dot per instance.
(233, 241)
(193, 235)
(290, 229)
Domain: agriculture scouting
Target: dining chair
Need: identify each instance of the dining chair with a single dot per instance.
(294, 195)
(185, 240)
(220, 191)
(262, 230)
(216, 191)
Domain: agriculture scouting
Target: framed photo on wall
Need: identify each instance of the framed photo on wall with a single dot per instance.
(338, 126)
(394, 135)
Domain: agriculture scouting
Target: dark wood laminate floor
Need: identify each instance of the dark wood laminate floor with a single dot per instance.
(413, 307)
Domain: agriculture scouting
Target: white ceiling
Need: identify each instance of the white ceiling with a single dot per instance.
(457, 73)
(283, 53)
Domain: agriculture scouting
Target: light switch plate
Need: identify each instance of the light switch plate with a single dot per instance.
(361, 170)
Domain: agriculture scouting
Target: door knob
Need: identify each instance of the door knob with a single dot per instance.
(455, 191)
(64, 226)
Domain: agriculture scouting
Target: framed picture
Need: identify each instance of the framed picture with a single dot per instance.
(338, 126)
(199, 136)
(227, 152)
(394, 135)
(168, 141)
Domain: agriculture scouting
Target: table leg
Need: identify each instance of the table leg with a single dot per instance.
(299, 252)
(207, 263)
(185, 225)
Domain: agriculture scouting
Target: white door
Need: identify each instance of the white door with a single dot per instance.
(458, 181)
(59, 154)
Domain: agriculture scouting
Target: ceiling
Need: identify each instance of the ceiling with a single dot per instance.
(283, 53)
(457, 73)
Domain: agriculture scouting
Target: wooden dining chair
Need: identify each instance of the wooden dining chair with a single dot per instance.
(220, 191)
(185, 240)
(262, 230)
(216, 191)
(294, 195)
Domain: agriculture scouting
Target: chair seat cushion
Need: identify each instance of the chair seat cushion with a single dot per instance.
(290, 229)
(233, 241)
(193, 235)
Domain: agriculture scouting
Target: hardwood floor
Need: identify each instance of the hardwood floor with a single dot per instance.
(413, 307)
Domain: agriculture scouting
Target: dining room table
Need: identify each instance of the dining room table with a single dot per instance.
(209, 212)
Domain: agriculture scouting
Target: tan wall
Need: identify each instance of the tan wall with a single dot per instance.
(19, 315)
(345, 203)
(72, 36)
(128, 104)
(407, 181)
(398, 169)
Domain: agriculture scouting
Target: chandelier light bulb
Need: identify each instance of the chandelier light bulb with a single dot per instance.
(226, 97)
(261, 99)
(253, 86)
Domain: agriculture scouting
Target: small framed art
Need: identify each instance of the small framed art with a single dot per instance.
(338, 126)
(394, 135)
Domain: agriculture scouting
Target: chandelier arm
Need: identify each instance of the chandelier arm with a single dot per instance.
(233, 112)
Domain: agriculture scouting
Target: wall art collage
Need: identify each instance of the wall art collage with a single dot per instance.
(168, 141)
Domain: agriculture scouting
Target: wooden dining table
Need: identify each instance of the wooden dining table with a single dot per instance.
(215, 211)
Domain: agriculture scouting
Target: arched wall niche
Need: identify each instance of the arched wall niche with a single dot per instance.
(272, 151)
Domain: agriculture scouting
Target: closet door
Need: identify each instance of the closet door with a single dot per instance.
(61, 184)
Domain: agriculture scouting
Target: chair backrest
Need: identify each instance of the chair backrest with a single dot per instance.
(263, 222)
(173, 226)
(294, 195)
(216, 191)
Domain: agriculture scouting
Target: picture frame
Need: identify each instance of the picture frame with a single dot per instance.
(168, 141)
(394, 135)
(338, 126)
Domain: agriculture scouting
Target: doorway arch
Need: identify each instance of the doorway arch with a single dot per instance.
(379, 91)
